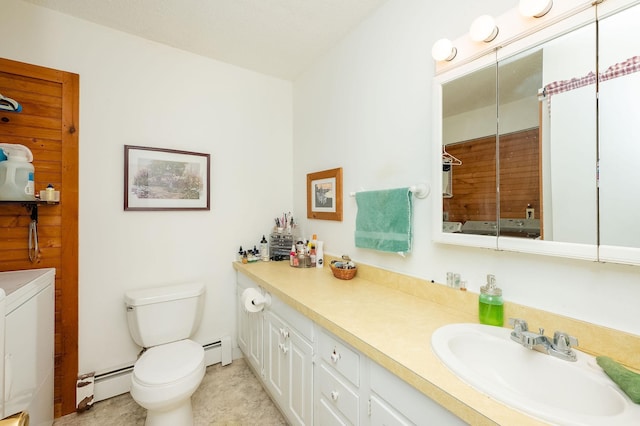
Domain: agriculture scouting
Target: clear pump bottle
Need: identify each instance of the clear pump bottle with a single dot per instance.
(264, 249)
(490, 307)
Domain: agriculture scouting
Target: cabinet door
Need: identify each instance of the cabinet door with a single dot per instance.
(275, 352)
(255, 340)
(383, 415)
(243, 325)
(300, 366)
(250, 334)
(395, 402)
(328, 416)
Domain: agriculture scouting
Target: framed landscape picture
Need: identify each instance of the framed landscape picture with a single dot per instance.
(165, 179)
(324, 195)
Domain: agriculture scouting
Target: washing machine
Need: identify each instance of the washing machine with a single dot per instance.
(28, 350)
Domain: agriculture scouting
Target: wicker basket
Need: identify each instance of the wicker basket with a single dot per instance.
(343, 274)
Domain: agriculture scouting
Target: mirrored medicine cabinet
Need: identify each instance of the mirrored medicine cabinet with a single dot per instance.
(537, 142)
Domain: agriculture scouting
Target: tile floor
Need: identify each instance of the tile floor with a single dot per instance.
(228, 396)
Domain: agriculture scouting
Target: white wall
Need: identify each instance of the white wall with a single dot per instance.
(366, 107)
(136, 92)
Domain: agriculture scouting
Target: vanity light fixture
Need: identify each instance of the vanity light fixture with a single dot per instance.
(483, 28)
(443, 50)
(535, 8)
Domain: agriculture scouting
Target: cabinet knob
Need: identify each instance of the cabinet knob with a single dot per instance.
(335, 357)
(284, 333)
(334, 395)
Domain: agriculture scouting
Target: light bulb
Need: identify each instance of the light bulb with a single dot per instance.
(535, 8)
(483, 29)
(443, 50)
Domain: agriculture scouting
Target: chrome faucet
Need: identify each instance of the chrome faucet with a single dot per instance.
(559, 347)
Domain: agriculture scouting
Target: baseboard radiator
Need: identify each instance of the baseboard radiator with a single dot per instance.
(117, 382)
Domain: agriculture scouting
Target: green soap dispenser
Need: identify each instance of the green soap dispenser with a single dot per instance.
(490, 307)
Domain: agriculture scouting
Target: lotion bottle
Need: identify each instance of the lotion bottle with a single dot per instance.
(319, 254)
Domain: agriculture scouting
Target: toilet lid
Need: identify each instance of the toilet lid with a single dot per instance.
(167, 363)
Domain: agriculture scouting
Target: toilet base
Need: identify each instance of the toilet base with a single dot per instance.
(180, 415)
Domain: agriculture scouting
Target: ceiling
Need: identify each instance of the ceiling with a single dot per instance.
(280, 38)
(517, 78)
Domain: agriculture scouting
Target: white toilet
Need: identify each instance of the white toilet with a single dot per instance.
(161, 319)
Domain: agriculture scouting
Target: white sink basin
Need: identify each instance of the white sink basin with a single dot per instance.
(545, 387)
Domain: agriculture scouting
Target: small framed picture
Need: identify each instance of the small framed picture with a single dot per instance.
(165, 179)
(324, 195)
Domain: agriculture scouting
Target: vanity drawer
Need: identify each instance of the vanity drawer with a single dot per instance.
(341, 357)
(337, 394)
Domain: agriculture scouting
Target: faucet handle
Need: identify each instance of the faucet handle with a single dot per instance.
(563, 341)
(519, 325)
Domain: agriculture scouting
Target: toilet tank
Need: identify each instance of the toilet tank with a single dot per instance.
(159, 315)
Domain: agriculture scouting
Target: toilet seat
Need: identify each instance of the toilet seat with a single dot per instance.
(165, 364)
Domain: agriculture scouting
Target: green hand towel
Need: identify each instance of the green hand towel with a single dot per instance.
(626, 379)
(384, 220)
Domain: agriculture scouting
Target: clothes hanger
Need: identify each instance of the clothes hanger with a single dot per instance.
(8, 104)
(449, 159)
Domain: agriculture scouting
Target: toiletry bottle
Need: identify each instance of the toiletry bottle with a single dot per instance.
(293, 256)
(49, 193)
(312, 255)
(456, 280)
(490, 307)
(449, 279)
(264, 249)
(319, 254)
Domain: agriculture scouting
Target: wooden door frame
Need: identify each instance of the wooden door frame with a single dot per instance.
(67, 277)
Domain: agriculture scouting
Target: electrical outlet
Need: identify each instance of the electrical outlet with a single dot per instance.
(445, 216)
(531, 213)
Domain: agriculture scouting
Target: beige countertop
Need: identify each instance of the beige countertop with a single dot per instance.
(390, 326)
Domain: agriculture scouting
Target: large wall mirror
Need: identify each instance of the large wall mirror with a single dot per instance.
(524, 138)
(619, 134)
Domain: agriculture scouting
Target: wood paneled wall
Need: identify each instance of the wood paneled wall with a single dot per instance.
(474, 183)
(48, 126)
(520, 174)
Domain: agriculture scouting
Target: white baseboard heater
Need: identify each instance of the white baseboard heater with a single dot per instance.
(118, 381)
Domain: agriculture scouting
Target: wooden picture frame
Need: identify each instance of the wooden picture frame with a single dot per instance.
(165, 179)
(324, 195)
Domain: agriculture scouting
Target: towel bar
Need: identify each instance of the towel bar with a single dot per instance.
(421, 190)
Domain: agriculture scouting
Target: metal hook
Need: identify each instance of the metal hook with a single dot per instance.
(34, 249)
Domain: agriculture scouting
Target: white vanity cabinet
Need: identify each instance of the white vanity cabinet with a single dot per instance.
(351, 389)
(278, 344)
(316, 378)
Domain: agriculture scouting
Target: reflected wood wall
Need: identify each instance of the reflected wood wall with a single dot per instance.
(474, 183)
